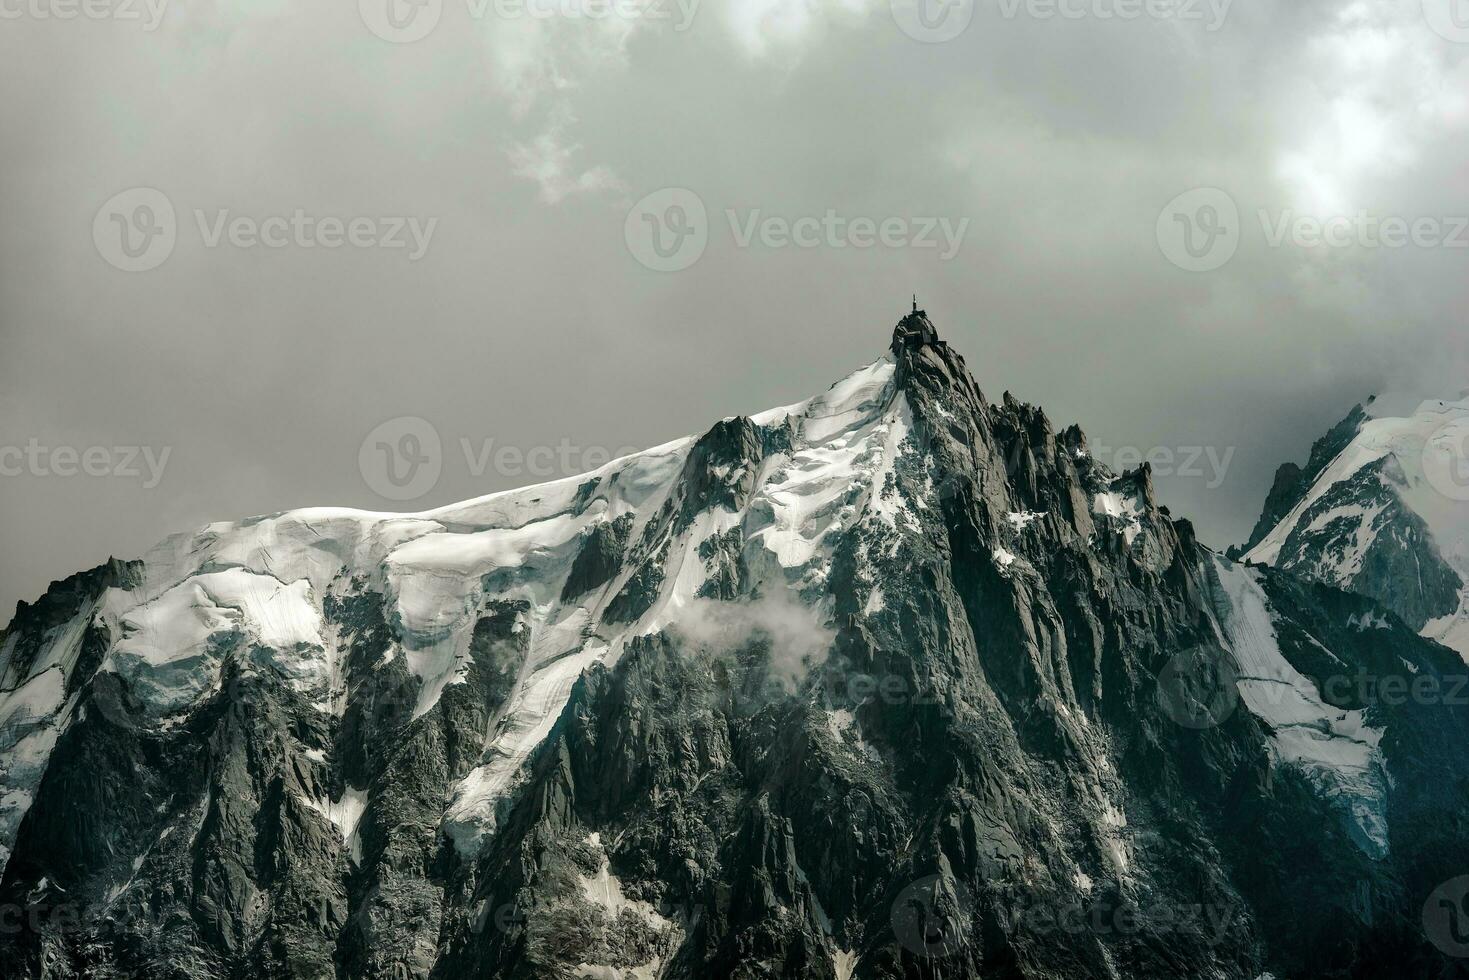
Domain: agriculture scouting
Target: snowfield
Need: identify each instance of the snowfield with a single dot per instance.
(256, 589)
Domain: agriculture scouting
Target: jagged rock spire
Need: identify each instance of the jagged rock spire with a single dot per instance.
(914, 330)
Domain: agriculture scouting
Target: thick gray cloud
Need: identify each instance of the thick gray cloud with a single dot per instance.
(530, 322)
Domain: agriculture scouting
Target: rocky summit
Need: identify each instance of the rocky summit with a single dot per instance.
(1381, 508)
(897, 682)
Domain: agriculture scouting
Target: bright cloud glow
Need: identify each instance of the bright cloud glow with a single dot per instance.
(1379, 87)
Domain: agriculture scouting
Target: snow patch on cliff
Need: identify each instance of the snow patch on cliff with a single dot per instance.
(1125, 509)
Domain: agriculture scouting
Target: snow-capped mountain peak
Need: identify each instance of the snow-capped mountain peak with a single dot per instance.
(1383, 509)
(844, 689)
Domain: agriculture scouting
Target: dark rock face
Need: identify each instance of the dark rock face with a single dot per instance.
(641, 590)
(1292, 482)
(723, 555)
(1013, 755)
(32, 625)
(913, 331)
(48, 654)
(722, 469)
(600, 558)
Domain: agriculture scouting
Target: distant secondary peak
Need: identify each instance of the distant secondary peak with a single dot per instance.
(914, 330)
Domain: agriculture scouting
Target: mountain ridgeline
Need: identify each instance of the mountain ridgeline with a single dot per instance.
(897, 682)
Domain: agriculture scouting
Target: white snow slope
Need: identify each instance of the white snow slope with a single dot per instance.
(256, 589)
(1334, 748)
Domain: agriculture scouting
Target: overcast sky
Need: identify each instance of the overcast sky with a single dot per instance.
(522, 149)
